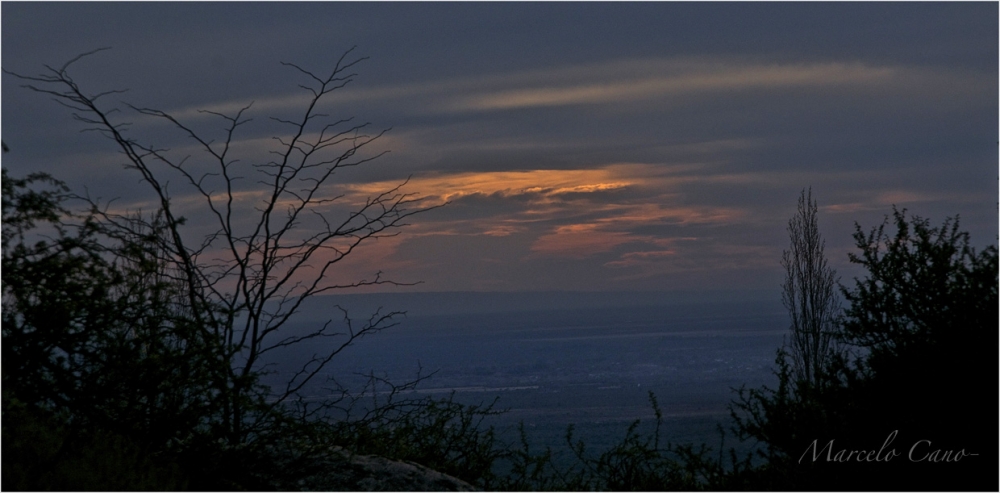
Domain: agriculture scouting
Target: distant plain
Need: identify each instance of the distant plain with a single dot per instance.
(553, 359)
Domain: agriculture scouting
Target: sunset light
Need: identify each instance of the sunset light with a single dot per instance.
(499, 246)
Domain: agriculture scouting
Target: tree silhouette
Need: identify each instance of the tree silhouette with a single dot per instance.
(809, 293)
(280, 231)
(926, 316)
(919, 330)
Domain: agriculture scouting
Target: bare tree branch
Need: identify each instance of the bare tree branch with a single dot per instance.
(246, 279)
(809, 293)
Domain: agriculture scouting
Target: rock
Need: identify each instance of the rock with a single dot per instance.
(372, 473)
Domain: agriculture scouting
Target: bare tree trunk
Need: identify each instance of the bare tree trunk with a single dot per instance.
(809, 294)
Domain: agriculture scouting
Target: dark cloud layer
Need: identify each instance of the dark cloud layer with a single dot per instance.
(582, 146)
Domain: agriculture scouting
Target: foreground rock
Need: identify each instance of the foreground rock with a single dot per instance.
(371, 473)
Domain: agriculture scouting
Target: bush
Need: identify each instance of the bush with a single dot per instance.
(920, 327)
(110, 384)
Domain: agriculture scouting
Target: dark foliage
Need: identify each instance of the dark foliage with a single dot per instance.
(95, 362)
(641, 461)
(440, 434)
(912, 390)
(43, 452)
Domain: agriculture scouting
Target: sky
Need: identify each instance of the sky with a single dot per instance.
(577, 146)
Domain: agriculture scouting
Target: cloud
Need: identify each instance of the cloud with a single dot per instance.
(617, 82)
(641, 258)
(580, 240)
(615, 209)
(622, 224)
(562, 161)
(539, 186)
(692, 78)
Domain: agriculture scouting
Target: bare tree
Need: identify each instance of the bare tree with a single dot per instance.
(246, 278)
(809, 294)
